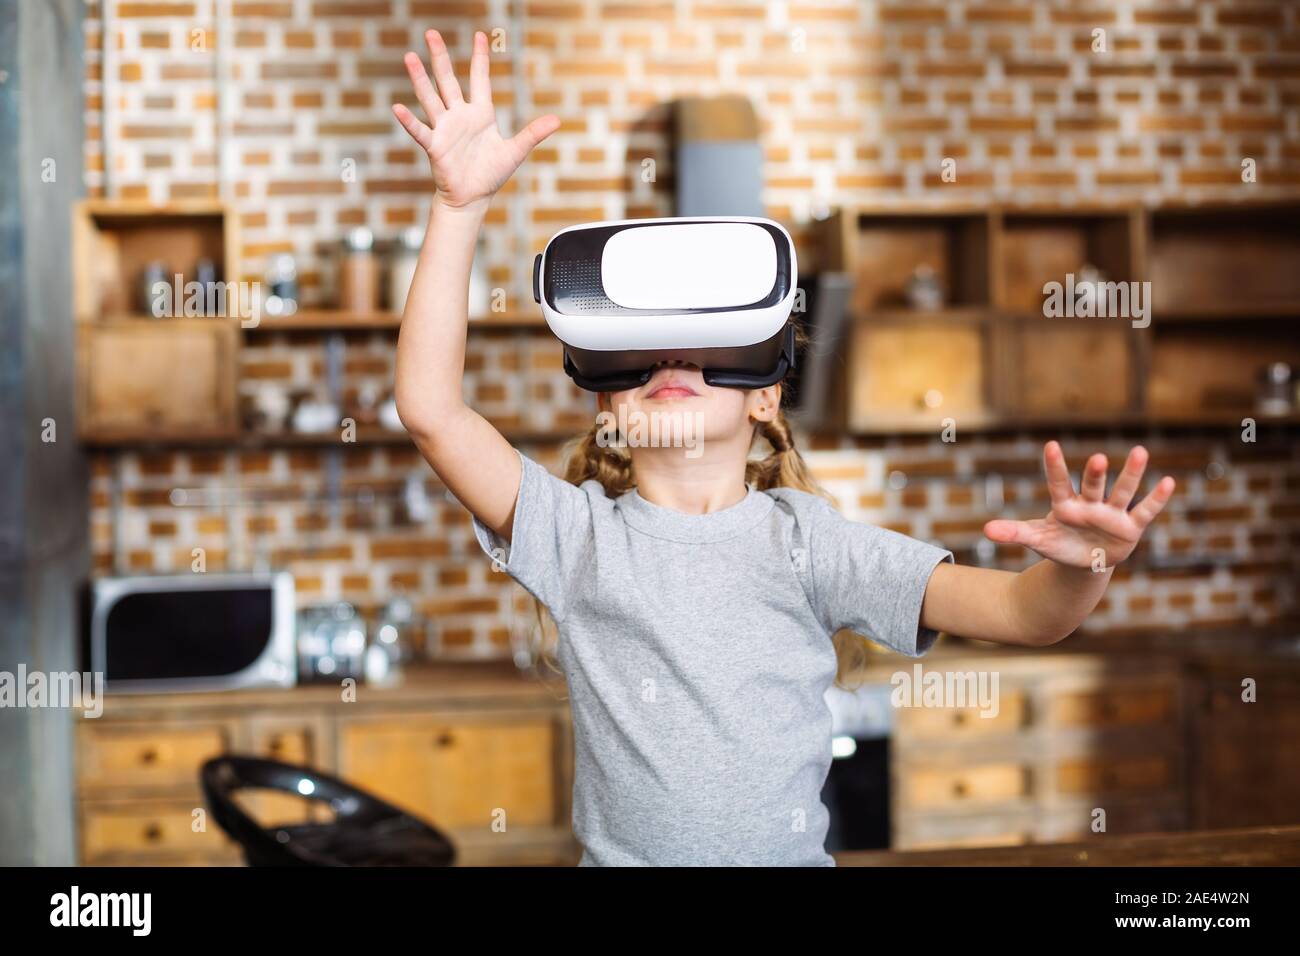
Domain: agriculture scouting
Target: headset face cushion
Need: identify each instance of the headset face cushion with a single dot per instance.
(749, 368)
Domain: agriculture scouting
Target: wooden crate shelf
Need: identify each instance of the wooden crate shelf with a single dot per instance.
(334, 320)
(1214, 320)
(148, 381)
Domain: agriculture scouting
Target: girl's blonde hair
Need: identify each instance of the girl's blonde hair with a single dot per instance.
(610, 464)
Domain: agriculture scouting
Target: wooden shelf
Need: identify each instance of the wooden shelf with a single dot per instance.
(366, 437)
(1205, 259)
(992, 356)
(1032, 248)
(1235, 312)
(957, 314)
(989, 424)
(333, 320)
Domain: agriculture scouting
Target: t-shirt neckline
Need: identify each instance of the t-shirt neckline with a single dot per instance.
(660, 522)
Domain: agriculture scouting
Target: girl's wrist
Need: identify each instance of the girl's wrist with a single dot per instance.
(475, 207)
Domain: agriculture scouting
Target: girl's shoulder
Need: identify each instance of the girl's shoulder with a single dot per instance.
(801, 502)
(802, 508)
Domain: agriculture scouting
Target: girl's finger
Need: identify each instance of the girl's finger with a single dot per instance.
(1059, 485)
(1006, 531)
(411, 123)
(424, 91)
(443, 72)
(534, 133)
(1130, 478)
(480, 83)
(1092, 486)
(1145, 511)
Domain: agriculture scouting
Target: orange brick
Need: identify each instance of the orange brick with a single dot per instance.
(170, 8)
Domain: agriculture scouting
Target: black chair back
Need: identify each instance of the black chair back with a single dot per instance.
(365, 830)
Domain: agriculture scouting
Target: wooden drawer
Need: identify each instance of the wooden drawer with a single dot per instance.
(1061, 365)
(1103, 775)
(148, 756)
(458, 772)
(921, 370)
(294, 745)
(148, 830)
(963, 786)
(935, 832)
(146, 378)
(1114, 706)
(954, 724)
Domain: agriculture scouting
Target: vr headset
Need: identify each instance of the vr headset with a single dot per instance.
(627, 295)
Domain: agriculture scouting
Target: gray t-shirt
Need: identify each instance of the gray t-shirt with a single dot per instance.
(697, 651)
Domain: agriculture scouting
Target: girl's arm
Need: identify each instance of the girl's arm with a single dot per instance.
(1082, 538)
(470, 161)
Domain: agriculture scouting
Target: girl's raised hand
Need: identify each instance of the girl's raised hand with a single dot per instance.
(468, 156)
(1082, 523)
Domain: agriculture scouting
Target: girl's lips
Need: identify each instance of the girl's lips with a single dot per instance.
(671, 391)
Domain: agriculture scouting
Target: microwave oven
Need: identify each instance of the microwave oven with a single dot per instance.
(195, 632)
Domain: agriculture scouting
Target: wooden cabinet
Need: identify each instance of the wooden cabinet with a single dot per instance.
(139, 801)
(157, 379)
(1247, 761)
(483, 755)
(1070, 370)
(903, 372)
(1183, 309)
(1070, 738)
(459, 773)
(162, 370)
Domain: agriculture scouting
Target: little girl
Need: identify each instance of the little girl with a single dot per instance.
(696, 594)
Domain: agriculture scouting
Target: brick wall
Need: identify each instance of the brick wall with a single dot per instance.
(1224, 552)
(281, 107)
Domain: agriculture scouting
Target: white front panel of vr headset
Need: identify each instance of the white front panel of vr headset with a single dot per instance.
(700, 266)
(725, 329)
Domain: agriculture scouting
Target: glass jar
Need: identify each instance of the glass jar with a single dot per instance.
(359, 272)
(401, 267)
(282, 283)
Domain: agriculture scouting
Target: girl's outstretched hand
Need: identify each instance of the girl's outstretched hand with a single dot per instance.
(469, 158)
(1082, 523)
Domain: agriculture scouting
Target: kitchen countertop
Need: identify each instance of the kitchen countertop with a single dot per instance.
(1255, 846)
(1279, 643)
(455, 684)
(445, 684)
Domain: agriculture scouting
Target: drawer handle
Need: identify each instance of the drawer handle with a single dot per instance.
(960, 789)
(444, 739)
(149, 756)
(153, 833)
(276, 745)
(959, 718)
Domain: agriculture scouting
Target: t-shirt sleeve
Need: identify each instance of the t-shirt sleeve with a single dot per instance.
(551, 538)
(871, 580)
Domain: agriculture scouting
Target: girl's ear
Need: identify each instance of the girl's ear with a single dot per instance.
(765, 403)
